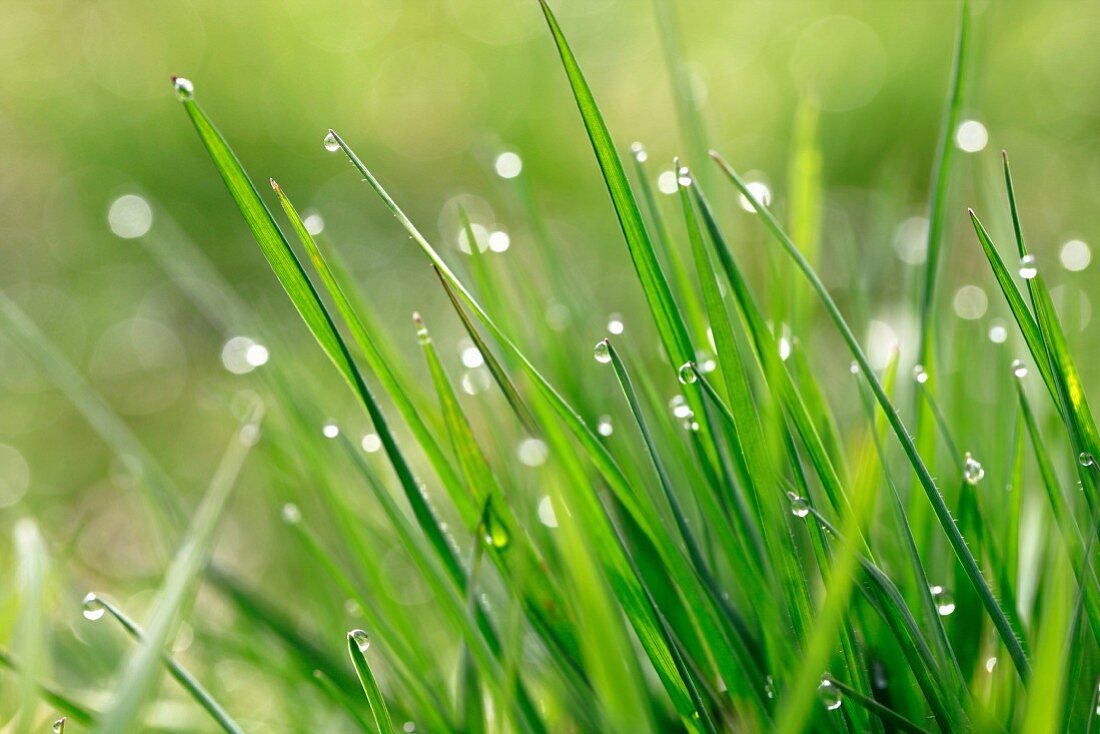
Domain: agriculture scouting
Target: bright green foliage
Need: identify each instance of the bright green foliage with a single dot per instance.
(548, 544)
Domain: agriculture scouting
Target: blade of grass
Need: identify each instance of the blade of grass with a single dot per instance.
(49, 694)
(177, 671)
(358, 642)
(139, 679)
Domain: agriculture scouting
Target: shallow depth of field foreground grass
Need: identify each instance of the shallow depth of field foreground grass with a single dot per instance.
(745, 502)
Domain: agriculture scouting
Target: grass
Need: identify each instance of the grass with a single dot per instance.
(590, 557)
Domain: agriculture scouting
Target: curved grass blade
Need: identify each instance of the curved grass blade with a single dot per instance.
(1012, 642)
(357, 646)
(177, 671)
(31, 633)
(49, 694)
(888, 715)
(139, 679)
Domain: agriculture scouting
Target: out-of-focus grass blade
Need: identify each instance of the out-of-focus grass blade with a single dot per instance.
(358, 642)
(30, 627)
(1044, 713)
(177, 671)
(941, 176)
(970, 565)
(806, 200)
(51, 695)
(60, 371)
(140, 678)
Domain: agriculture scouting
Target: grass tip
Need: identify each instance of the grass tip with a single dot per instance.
(274, 184)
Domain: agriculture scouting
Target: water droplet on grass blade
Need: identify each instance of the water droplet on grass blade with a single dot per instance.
(492, 531)
(330, 430)
(331, 143)
(184, 88)
(920, 374)
(291, 514)
(602, 352)
(604, 427)
(639, 152)
(59, 726)
(973, 471)
(361, 639)
(799, 506)
(687, 374)
(944, 601)
(1085, 459)
(1028, 269)
(371, 442)
(93, 608)
(679, 407)
(1019, 369)
(829, 695)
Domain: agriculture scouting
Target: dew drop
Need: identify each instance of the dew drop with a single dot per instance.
(492, 531)
(973, 471)
(59, 726)
(920, 374)
(361, 639)
(291, 514)
(1085, 459)
(330, 430)
(546, 513)
(93, 608)
(854, 367)
(602, 352)
(990, 664)
(639, 152)
(604, 427)
(331, 143)
(1019, 369)
(184, 88)
(799, 506)
(944, 601)
(687, 373)
(1028, 269)
(683, 176)
(829, 695)
(769, 687)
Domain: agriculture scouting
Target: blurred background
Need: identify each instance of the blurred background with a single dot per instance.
(102, 179)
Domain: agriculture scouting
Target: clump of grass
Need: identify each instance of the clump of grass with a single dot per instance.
(736, 563)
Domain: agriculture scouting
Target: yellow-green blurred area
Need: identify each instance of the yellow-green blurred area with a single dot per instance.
(97, 160)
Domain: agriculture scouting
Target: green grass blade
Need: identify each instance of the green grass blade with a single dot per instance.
(139, 679)
(970, 565)
(941, 176)
(52, 696)
(888, 715)
(358, 641)
(31, 635)
(177, 671)
(1071, 395)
